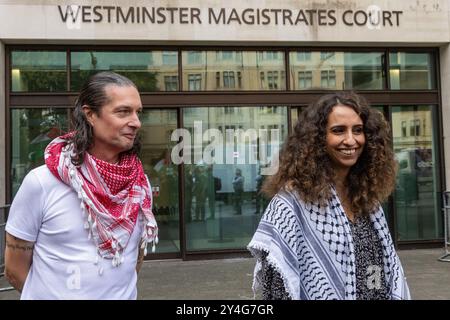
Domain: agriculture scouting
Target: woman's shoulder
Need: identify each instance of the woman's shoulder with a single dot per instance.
(290, 196)
(286, 200)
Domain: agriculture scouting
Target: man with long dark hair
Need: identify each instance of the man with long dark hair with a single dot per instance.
(78, 222)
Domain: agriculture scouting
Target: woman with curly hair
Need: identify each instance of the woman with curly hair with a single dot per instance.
(324, 234)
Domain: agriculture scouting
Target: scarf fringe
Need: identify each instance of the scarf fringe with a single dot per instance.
(256, 250)
(58, 155)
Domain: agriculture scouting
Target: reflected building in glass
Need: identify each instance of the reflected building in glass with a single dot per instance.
(336, 70)
(229, 94)
(233, 70)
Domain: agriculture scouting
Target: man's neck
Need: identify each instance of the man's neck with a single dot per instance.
(109, 157)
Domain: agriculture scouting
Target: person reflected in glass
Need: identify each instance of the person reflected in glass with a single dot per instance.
(238, 187)
(260, 199)
(200, 191)
(214, 185)
(166, 175)
(188, 196)
(324, 234)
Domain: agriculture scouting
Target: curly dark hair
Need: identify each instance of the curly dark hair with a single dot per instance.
(93, 95)
(306, 168)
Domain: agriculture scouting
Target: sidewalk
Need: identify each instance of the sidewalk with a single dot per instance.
(232, 278)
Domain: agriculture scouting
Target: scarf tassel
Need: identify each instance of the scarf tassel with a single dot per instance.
(155, 242)
(117, 260)
(58, 156)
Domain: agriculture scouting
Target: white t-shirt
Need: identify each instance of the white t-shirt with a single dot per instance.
(47, 211)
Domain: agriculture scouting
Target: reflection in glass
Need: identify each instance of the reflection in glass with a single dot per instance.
(224, 172)
(233, 70)
(150, 71)
(38, 71)
(416, 199)
(409, 70)
(32, 130)
(336, 70)
(157, 126)
(294, 116)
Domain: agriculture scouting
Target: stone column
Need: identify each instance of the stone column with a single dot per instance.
(2, 125)
(445, 84)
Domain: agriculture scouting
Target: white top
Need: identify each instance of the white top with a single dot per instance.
(47, 211)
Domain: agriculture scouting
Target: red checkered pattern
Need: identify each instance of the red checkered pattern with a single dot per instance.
(111, 195)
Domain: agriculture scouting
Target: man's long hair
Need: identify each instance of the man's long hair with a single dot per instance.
(93, 95)
(306, 168)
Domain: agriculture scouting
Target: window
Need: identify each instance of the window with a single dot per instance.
(157, 126)
(38, 71)
(271, 109)
(217, 79)
(272, 79)
(414, 128)
(327, 56)
(275, 80)
(268, 109)
(225, 55)
(418, 131)
(171, 83)
(228, 110)
(271, 55)
(235, 70)
(324, 79)
(304, 79)
(194, 57)
(147, 69)
(303, 56)
(195, 82)
(348, 70)
(408, 70)
(31, 131)
(170, 58)
(328, 79)
(228, 79)
(416, 198)
(403, 128)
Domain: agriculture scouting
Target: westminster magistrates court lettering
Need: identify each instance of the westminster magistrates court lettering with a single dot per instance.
(227, 16)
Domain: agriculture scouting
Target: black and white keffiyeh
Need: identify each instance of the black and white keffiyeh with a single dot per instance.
(311, 247)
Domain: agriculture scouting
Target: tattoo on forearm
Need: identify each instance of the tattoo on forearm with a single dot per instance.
(14, 246)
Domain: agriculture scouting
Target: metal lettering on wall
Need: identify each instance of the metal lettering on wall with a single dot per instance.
(372, 16)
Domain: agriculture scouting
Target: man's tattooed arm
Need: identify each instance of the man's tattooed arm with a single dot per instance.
(140, 259)
(19, 246)
(18, 259)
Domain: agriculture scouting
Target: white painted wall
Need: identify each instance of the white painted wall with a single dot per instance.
(422, 21)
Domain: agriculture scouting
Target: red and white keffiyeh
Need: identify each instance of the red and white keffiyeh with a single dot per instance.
(111, 196)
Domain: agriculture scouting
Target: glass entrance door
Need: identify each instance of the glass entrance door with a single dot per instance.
(157, 127)
(233, 149)
(417, 200)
